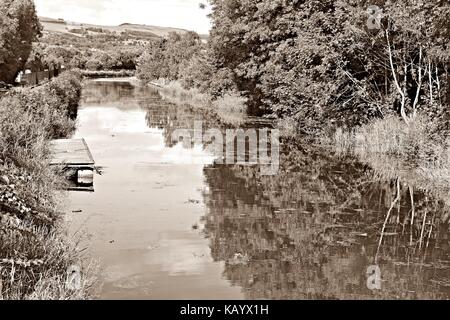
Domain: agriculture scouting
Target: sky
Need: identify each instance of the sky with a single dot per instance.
(184, 14)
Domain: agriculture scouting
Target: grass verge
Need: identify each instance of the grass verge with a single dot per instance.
(35, 253)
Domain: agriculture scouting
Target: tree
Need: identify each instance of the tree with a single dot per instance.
(19, 27)
(319, 63)
(417, 39)
(152, 64)
(201, 73)
(164, 58)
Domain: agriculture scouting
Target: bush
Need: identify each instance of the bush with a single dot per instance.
(174, 92)
(94, 64)
(119, 60)
(417, 152)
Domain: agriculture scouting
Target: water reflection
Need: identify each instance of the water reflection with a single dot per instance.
(139, 220)
(187, 227)
(313, 230)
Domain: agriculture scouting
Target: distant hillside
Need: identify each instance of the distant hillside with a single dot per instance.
(160, 31)
(59, 25)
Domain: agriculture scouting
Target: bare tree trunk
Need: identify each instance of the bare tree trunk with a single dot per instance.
(413, 213)
(397, 84)
(438, 82)
(430, 77)
(419, 85)
(423, 229)
(431, 231)
(396, 200)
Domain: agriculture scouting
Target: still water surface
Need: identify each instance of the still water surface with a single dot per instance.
(166, 222)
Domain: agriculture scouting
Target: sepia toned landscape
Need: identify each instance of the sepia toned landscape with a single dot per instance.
(299, 150)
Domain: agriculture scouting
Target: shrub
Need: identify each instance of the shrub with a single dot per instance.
(94, 64)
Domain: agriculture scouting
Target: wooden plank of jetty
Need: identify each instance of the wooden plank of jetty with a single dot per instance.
(76, 159)
(71, 153)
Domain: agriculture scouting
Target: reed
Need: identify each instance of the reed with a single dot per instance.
(417, 152)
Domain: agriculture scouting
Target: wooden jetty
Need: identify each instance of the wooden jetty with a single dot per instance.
(76, 159)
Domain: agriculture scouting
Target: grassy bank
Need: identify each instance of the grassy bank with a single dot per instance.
(35, 254)
(230, 109)
(417, 153)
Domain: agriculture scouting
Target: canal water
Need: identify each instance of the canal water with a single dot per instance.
(166, 222)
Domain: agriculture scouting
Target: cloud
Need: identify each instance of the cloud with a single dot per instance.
(184, 14)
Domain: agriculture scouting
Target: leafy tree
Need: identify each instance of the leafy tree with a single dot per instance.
(165, 57)
(19, 27)
(153, 64)
(201, 73)
(321, 62)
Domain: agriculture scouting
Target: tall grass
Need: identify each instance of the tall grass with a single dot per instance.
(174, 92)
(34, 251)
(418, 152)
(230, 109)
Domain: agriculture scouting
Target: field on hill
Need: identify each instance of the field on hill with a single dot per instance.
(59, 25)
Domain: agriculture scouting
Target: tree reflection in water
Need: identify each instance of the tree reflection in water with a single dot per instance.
(313, 230)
